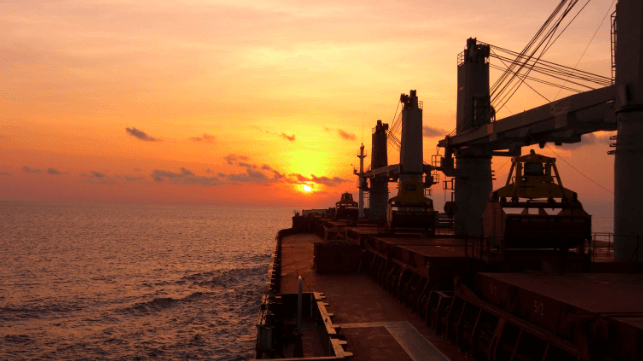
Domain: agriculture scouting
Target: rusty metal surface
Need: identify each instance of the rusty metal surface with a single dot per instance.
(437, 251)
(352, 298)
(567, 315)
(599, 293)
(387, 244)
(408, 337)
(375, 343)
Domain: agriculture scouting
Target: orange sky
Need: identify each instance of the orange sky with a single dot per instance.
(228, 102)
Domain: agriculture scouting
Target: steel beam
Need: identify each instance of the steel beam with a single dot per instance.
(562, 121)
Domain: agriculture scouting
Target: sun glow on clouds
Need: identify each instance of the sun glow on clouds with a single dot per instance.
(162, 93)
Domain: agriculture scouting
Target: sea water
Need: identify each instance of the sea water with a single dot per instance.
(135, 282)
(132, 282)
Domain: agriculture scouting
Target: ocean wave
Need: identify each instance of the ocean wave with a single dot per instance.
(17, 339)
(159, 304)
(35, 312)
(118, 282)
(230, 279)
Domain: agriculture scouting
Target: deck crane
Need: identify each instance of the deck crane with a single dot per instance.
(617, 106)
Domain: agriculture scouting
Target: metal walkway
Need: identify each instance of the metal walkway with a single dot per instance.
(415, 345)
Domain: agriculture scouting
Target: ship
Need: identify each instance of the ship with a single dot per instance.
(513, 273)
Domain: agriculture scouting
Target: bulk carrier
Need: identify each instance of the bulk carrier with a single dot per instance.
(513, 273)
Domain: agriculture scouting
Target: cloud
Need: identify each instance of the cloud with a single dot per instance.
(97, 178)
(342, 133)
(251, 176)
(430, 132)
(330, 182)
(140, 135)
(346, 135)
(288, 137)
(185, 176)
(299, 177)
(159, 175)
(31, 170)
(205, 138)
(52, 171)
(247, 165)
(276, 173)
(254, 174)
(234, 159)
(282, 134)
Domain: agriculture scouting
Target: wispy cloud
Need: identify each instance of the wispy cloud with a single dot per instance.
(185, 176)
(252, 174)
(276, 173)
(342, 133)
(31, 170)
(346, 135)
(234, 159)
(129, 178)
(288, 137)
(51, 171)
(330, 182)
(159, 175)
(140, 135)
(98, 178)
(431, 132)
(205, 138)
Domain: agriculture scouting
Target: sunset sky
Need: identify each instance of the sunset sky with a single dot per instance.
(243, 102)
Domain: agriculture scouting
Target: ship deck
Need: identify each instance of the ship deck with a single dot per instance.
(402, 296)
(585, 291)
(375, 324)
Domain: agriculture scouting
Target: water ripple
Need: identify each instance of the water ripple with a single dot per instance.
(135, 282)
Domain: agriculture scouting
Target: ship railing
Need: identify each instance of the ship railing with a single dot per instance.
(460, 58)
(603, 248)
(477, 247)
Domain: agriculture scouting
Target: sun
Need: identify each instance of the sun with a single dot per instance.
(307, 188)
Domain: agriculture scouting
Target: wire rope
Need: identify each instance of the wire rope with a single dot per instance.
(506, 86)
(581, 173)
(592, 39)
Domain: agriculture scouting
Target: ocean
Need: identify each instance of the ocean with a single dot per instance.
(132, 282)
(135, 282)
